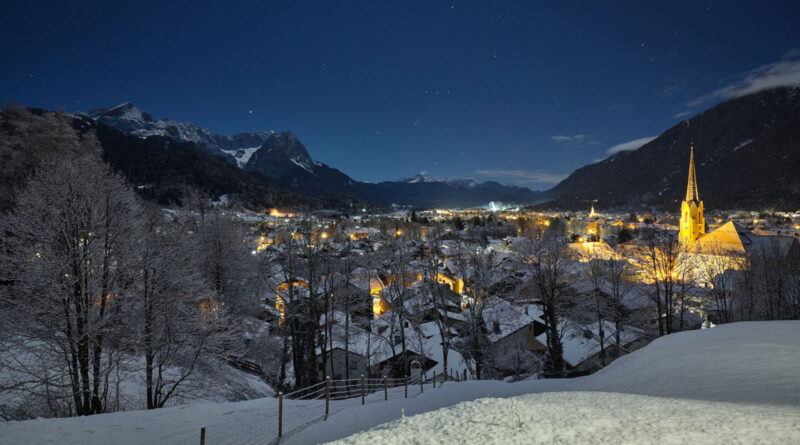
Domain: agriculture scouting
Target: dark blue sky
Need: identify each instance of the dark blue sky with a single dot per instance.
(520, 92)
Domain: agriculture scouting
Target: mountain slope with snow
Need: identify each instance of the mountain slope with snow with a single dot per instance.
(129, 119)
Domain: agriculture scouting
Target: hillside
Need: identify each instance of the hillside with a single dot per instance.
(747, 152)
(733, 382)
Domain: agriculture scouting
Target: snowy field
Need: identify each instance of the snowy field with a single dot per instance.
(735, 383)
(591, 417)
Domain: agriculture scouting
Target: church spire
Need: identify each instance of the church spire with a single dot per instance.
(693, 225)
(691, 188)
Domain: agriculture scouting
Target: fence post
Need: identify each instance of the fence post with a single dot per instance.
(434, 379)
(385, 388)
(202, 435)
(327, 396)
(362, 389)
(421, 388)
(280, 415)
(405, 382)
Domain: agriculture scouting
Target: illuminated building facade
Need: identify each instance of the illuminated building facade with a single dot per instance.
(693, 226)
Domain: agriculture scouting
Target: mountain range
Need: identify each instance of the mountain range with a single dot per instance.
(747, 155)
(281, 158)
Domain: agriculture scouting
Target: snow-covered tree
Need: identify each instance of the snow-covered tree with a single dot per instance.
(174, 312)
(545, 263)
(68, 255)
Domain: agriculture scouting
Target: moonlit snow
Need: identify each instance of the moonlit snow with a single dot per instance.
(736, 383)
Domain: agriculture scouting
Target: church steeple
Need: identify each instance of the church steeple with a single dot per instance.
(691, 188)
(693, 225)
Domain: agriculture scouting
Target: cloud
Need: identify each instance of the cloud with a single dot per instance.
(785, 72)
(671, 90)
(577, 139)
(682, 114)
(630, 145)
(522, 176)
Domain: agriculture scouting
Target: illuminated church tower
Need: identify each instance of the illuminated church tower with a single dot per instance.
(693, 225)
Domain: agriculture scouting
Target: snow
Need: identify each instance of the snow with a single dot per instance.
(754, 362)
(229, 383)
(127, 118)
(585, 417)
(303, 165)
(578, 347)
(421, 178)
(735, 383)
(742, 144)
(242, 155)
(503, 319)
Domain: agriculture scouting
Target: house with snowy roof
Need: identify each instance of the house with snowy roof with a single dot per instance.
(511, 329)
(346, 347)
(581, 344)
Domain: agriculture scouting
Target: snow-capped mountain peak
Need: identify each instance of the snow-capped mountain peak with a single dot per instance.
(129, 119)
(125, 117)
(421, 178)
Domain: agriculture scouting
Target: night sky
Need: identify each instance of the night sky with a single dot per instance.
(518, 92)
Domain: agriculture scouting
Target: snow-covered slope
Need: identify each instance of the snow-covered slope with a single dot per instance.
(242, 155)
(754, 362)
(588, 418)
(675, 388)
(735, 383)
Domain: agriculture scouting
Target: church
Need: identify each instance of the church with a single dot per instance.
(729, 240)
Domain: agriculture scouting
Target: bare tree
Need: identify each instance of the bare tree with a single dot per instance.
(178, 319)
(596, 272)
(545, 262)
(297, 285)
(225, 259)
(774, 280)
(517, 358)
(480, 273)
(440, 296)
(660, 262)
(397, 257)
(69, 255)
(713, 264)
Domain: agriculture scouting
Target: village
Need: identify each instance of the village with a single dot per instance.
(491, 293)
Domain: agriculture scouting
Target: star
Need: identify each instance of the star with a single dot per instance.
(250, 112)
